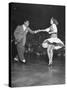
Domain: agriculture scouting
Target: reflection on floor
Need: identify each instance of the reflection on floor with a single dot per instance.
(36, 72)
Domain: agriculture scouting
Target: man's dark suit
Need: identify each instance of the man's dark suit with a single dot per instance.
(20, 37)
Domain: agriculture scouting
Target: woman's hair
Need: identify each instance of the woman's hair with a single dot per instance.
(54, 21)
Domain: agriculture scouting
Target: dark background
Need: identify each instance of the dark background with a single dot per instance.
(36, 70)
(39, 17)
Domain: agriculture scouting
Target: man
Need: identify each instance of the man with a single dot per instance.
(20, 39)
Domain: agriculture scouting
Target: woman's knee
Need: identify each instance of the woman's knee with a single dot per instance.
(50, 48)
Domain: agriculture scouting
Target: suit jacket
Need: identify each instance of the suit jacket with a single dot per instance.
(20, 34)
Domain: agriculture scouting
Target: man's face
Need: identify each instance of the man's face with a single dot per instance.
(27, 23)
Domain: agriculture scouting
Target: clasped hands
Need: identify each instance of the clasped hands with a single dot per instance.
(37, 31)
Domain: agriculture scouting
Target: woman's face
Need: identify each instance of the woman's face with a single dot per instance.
(51, 21)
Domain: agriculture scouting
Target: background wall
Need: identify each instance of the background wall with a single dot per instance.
(38, 15)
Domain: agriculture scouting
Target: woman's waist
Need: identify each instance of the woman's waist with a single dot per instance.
(54, 35)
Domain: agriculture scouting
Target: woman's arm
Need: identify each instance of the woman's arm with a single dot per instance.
(43, 30)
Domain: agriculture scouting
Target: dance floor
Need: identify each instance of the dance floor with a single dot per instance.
(36, 72)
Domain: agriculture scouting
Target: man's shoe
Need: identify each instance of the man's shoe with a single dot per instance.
(24, 61)
(16, 59)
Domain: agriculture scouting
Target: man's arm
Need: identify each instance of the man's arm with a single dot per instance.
(32, 32)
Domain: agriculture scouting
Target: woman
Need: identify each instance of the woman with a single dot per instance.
(53, 42)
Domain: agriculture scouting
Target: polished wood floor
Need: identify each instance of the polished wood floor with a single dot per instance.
(36, 72)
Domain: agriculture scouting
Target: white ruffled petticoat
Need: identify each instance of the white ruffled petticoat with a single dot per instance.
(56, 42)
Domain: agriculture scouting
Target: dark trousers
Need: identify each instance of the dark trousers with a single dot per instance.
(20, 50)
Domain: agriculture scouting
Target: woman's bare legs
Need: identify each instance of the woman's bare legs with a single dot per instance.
(50, 53)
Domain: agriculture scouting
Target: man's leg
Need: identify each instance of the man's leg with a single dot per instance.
(21, 50)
